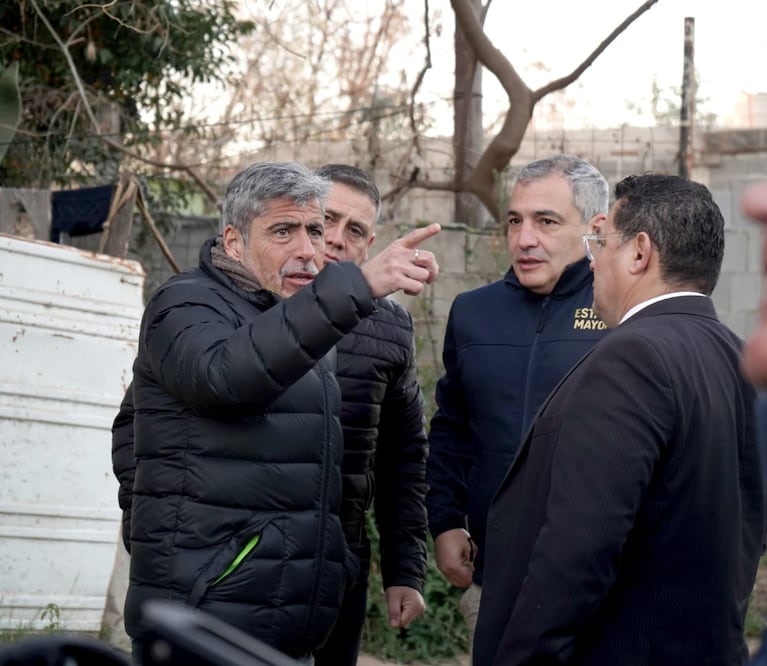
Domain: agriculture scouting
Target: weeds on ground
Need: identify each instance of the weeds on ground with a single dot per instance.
(50, 615)
(438, 635)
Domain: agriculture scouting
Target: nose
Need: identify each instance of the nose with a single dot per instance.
(305, 249)
(334, 236)
(526, 236)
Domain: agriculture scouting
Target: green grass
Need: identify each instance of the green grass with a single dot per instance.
(51, 615)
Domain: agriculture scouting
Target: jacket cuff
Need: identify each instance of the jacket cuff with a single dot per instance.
(405, 581)
(436, 527)
(361, 293)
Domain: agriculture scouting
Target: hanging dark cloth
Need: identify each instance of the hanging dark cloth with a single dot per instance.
(79, 212)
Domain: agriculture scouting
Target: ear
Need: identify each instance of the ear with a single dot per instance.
(641, 252)
(370, 242)
(233, 244)
(597, 221)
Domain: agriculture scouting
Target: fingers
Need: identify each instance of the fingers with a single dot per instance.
(454, 554)
(401, 266)
(395, 614)
(404, 605)
(414, 238)
(460, 576)
(427, 260)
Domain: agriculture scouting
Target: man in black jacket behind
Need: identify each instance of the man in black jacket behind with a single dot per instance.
(237, 439)
(382, 419)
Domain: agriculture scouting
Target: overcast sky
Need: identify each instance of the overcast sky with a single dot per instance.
(730, 52)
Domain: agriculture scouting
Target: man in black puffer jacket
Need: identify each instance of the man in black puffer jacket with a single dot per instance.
(237, 440)
(385, 448)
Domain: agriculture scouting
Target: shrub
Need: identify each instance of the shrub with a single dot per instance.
(439, 634)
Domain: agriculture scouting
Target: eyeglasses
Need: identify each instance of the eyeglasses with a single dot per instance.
(599, 241)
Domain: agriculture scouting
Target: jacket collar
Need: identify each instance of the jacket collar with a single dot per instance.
(263, 298)
(701, 306)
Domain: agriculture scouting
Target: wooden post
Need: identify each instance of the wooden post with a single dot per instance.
(687, 110)
(115, 237)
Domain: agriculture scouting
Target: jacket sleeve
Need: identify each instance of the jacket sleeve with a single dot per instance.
(209, 358)
(123, 460)
(449, 445)
(600, 475)
(401, 479)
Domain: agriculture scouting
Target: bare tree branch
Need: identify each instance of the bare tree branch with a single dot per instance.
(565, 81)
(484, 180)
(421, 74)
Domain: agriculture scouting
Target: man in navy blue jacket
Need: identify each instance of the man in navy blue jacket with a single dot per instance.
(506, 347)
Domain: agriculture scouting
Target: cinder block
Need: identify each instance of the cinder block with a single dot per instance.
(722, 296)
(746, 291)
(735, 251)
(487, 253)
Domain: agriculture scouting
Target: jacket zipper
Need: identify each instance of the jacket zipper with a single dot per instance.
(530, 364)
(238, 560)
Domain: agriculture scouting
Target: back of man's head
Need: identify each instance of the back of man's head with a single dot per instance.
(355, 178)
(683, 223)
(591, 194)
(252, 189)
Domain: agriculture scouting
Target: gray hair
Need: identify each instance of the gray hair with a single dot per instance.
(355, 178)
(253, 188)
(591, 194)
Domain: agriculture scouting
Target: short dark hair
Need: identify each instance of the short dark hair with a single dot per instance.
(355, 178)
(683, 222)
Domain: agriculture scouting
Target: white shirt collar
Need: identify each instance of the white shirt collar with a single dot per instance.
(663, 297)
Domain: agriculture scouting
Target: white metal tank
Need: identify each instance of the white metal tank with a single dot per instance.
(68, 332)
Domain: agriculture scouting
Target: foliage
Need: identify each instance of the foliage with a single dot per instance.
(440, 633)
(10, 106)
(51, 615)
(93, 76)
(756, 617)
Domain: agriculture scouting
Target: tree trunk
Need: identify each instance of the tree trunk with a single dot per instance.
(467, 126)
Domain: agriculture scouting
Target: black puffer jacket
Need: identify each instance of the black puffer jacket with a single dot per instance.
(238, 445)
(384, 443)
(123, 460)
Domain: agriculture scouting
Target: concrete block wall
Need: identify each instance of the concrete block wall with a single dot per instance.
(469, 258)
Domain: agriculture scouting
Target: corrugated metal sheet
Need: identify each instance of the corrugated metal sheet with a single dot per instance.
(68, 330)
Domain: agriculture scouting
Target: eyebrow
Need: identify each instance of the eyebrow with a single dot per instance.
(292, 224)
(352, 220)
(544, 212)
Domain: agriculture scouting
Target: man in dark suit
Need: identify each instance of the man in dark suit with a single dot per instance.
(629, 527)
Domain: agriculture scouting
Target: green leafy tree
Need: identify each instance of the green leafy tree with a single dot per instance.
(100, 82)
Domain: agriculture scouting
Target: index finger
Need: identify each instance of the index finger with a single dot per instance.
(417, 236)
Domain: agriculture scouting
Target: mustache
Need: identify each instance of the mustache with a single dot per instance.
(530, 254)
(299, 267)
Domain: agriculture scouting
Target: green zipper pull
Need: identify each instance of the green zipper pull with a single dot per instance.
(237, 560)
